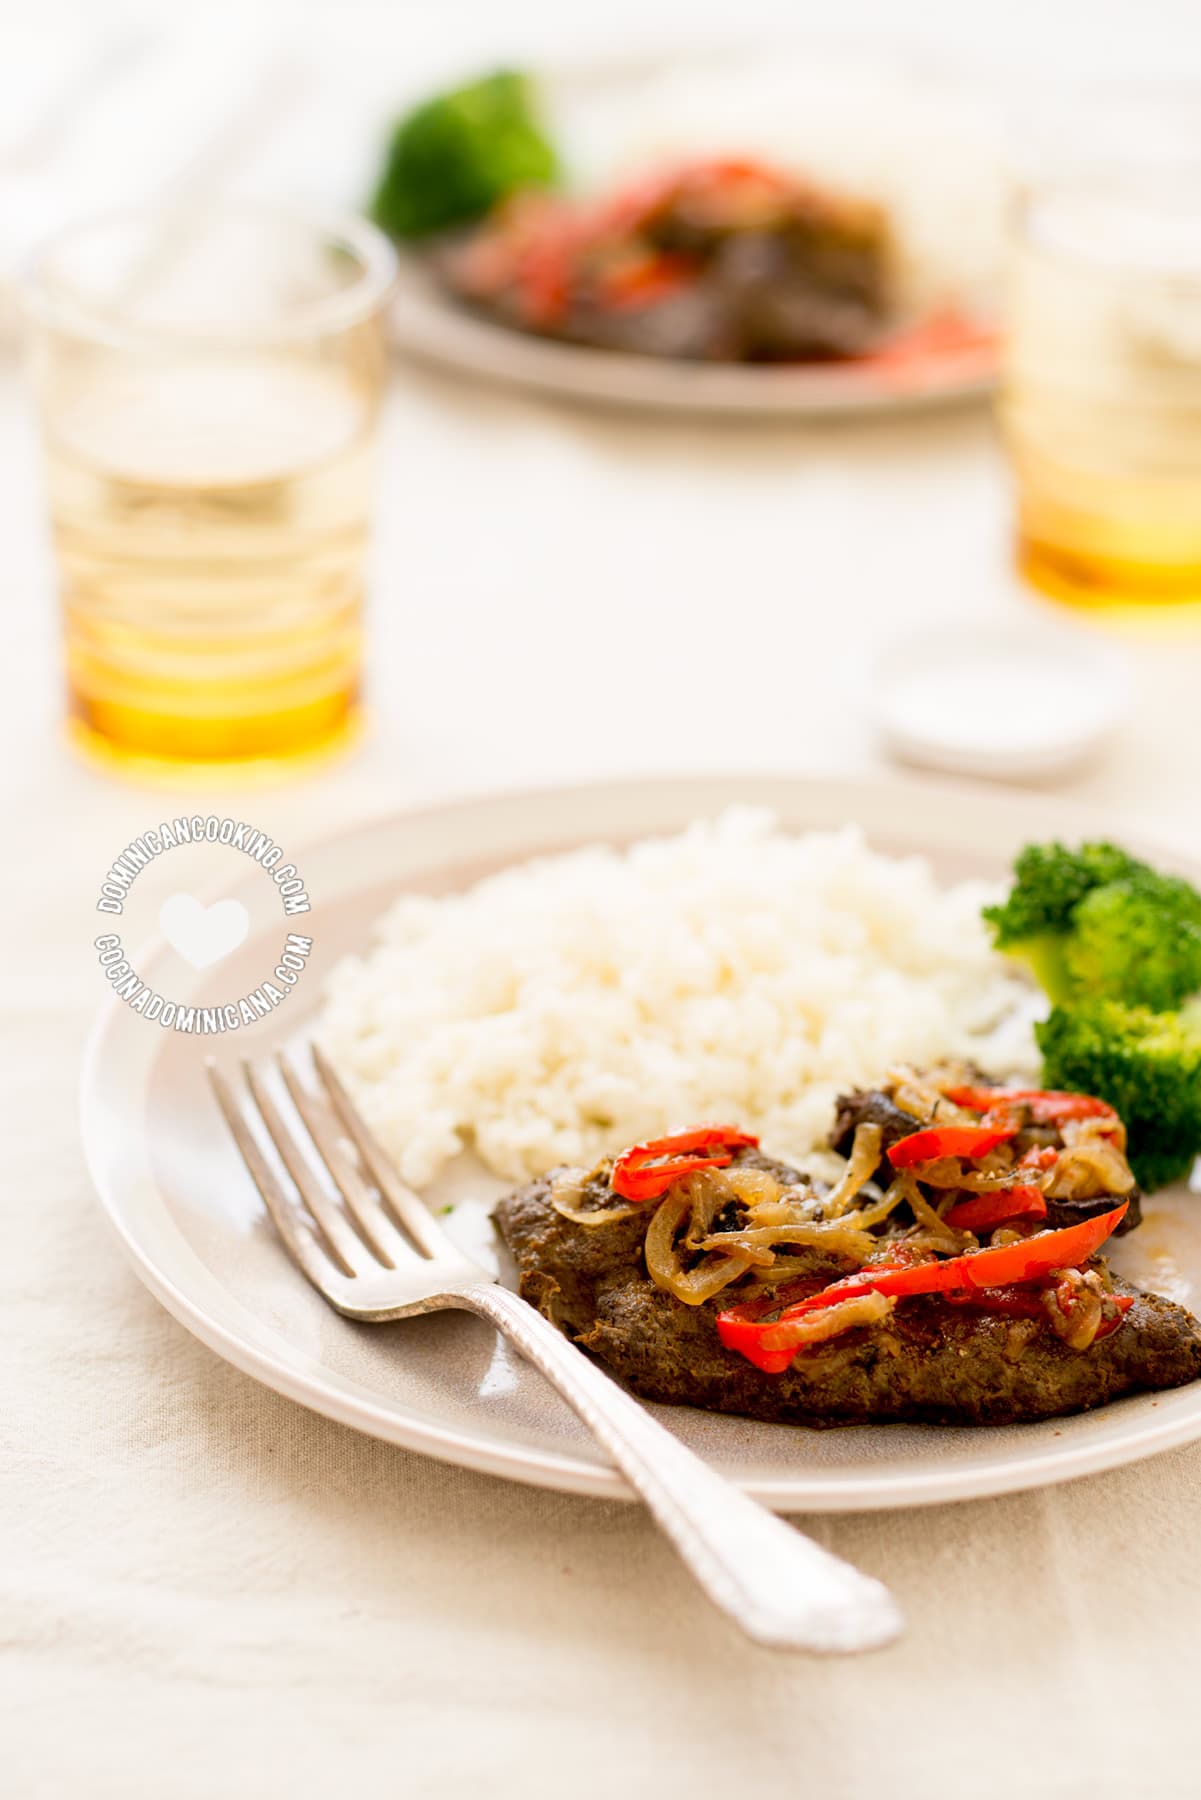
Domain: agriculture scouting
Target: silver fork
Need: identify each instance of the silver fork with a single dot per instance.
(781, 1588)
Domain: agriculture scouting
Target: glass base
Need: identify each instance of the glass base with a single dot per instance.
(266, 767)
(1120, 589)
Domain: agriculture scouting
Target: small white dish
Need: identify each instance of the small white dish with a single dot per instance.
(1011, 701)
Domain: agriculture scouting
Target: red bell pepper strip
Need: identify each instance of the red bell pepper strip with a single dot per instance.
(1010, 1302)
(747, 1338)
(1122, 1303)
(634, 208)
(646, 282)
(739, 1327)
(1029, 1260)
(645, 1171)
(543, 280)
(945, 333)
(1045, 1106)
(948, 1140)
(1039, 1156)
(1029, 1303)
(1066, 1295)
(984, 1211)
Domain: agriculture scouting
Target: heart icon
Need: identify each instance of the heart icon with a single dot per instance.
(203, 934)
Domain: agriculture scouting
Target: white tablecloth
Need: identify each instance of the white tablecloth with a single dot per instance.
(208, 1591)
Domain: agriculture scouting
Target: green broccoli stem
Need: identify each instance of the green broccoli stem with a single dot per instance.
(1044, 957)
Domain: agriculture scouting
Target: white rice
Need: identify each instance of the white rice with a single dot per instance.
(575, 1004)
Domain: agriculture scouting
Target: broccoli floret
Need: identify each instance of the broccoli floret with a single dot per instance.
(1146, 1064)
(1049, 882)
(455, 156)
(1097, 922)
(1138, 940)
(1117, 947)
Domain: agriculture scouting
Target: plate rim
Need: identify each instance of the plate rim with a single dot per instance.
(559, 1470)
(433, 330)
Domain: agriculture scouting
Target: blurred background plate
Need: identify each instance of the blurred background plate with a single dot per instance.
(927, 144)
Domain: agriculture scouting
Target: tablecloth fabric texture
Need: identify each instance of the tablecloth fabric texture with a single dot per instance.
(206, 1590)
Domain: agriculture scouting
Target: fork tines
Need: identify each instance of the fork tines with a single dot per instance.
(325, 1238)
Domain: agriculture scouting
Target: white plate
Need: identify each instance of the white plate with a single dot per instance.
(186, 1211)
(590, 107)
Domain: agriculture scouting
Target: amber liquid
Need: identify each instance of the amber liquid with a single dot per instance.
(1102, 415)
(212, 609)
(1114, 537)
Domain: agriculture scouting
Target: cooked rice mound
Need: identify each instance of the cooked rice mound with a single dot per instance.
(577, 1003)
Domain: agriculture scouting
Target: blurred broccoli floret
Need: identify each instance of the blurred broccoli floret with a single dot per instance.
(1096, 922)
(1146, 1064)
(455, 156)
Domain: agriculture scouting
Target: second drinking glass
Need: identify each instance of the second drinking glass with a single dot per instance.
(1102, 397)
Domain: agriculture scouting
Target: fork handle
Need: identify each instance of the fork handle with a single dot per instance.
(779, 1587)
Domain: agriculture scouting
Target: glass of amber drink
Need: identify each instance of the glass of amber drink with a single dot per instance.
(208, 384)
(1101, 401)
